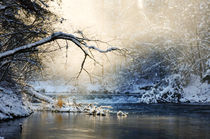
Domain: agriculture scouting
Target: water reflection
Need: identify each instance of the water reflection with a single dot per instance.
(43, 125)
(11, 129)
(80, 126)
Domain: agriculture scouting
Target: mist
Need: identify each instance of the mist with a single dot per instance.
(104, 69)
(140, 26)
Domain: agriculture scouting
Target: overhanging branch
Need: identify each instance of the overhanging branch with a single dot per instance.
(58, 35)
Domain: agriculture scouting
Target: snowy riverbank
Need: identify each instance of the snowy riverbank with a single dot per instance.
(12, 105)
(169, 91)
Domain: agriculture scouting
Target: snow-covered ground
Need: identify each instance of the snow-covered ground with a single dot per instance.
(11, 104)
(11, 101)
(194, 92)
(52, 86)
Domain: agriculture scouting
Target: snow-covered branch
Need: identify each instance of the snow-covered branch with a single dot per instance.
(32, 92)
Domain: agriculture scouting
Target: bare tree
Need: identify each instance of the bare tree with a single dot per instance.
(24, 26)
(80, 42)
(22, 22)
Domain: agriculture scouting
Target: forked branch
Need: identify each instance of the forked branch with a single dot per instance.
(78, 41)
(55, 36)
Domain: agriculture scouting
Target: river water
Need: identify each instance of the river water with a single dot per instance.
(144, 121)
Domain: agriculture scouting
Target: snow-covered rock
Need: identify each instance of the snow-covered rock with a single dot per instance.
(11, 104)
(120, 113)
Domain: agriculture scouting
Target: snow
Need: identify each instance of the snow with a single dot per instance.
(169, 91)
(11, 104)
(54, 36)
(120, 113)
(94, 87)
(196, 92)
(208, 62)
(2, 7)
(60, 87)
(102, 51)
(207, 72)
(38, 95)
(53, 86)
(90, 109)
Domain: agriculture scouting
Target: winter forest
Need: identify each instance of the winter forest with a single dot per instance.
(104, 69)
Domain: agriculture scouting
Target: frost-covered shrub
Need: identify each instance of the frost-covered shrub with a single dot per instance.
(143, 70)
(168, 90)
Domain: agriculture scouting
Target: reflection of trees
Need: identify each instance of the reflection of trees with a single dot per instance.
(11, 129)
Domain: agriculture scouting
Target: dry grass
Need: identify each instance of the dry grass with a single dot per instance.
(60, 102)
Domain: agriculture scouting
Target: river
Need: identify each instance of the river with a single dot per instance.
(144, 121)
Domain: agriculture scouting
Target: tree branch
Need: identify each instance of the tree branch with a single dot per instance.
(58, 35)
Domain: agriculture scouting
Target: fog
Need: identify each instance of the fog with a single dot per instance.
(137, 25)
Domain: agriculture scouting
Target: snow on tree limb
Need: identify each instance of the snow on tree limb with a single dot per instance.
(31, 91)
(2, 7)
(80, 42)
